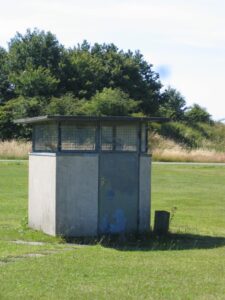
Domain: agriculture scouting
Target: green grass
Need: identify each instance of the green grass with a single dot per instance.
(198, 194)
(188, 264)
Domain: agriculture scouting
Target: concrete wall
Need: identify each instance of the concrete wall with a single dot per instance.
(77, 194)
(144, 193)
(118, 194)
(64, 193)
(42, 188)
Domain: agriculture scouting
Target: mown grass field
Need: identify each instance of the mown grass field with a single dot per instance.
(189, 264)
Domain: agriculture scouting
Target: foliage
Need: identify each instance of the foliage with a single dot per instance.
(34, 49)
(7, 128)
(27, 107)
(97, 79)
(173, 104)
(6, 91)
(112, 102)
(207, 136)
(65, 105)
(82, 71)
(89, 69)
(213, 136)
(181, 133)
(196, 113)
(35, 82)
(14, 109)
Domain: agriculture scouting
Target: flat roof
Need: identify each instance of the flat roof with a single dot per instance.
(59, 118)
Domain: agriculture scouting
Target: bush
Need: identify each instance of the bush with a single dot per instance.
(196, 113)
(111, 102)
(182, 134)
(8, 129)
(65, 105)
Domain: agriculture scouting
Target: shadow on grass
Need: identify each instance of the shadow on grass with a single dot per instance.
(151, 242)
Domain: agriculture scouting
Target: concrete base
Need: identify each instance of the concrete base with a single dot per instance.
(64, 193)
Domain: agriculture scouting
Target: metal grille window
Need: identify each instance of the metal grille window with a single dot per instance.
(126, 138)
(107, 138)
(78, 137)
(87, 136)
(46, 137)
(144, 140)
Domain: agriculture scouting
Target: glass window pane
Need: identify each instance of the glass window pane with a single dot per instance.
(107, 138)
(78, 137)
(126, 138)
(46, 137)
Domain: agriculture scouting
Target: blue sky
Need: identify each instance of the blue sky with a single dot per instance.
(184, 40)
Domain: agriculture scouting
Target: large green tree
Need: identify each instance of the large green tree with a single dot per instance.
(173, 104)
(38, 76)
(34, 49)
(196, 113)
(6, 88)
(86, 70)
(82, 71)
(34, 63)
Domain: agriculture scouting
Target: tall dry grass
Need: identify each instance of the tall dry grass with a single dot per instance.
(14, 149)
(167, 150)
(182, 155)
(162, 150)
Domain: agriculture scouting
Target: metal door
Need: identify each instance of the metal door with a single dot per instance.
(118, 191)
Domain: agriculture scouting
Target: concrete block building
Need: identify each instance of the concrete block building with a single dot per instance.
(89, 176)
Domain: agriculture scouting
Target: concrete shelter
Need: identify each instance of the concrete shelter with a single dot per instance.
(89, 176)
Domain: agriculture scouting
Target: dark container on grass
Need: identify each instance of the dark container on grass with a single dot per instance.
(162, 220)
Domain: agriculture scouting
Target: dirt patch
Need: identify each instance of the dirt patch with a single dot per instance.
(32, 255)
(28, 243)
(16, 258)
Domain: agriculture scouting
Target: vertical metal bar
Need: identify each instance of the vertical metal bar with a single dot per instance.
(59, 145)
(139, 137)
(33, 137)
(146, 138)
(98, 137)
(114, 138)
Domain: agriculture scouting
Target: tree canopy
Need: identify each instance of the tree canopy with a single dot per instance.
(38, 75)
(196, 113)
(173, 104)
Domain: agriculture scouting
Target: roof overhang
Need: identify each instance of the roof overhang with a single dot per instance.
(60, 118)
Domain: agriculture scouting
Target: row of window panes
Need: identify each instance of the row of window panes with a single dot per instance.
(83, 138)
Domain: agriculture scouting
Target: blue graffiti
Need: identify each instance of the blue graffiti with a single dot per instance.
(110, 195)
(118, 224)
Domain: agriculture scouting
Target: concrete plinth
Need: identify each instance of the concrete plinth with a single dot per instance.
(70, 194)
